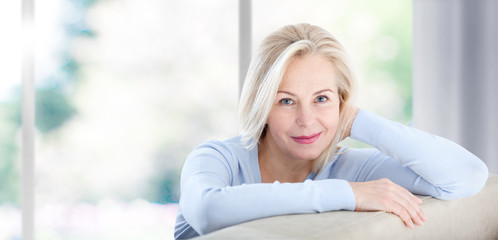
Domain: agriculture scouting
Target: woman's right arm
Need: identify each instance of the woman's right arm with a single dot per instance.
(209, 201)
(418, 161)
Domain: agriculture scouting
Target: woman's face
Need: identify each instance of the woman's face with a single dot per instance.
(305, 112)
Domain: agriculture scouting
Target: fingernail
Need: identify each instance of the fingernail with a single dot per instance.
(420, 222)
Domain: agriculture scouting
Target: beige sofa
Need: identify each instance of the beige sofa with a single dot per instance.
(473, 217)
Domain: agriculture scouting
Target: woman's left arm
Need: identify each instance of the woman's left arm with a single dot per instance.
(416, 160)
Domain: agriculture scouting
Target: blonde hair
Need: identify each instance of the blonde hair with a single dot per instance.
(266, 72)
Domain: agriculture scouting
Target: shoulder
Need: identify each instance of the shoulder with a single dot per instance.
(215, 152)
(230, 148)
(228, 159)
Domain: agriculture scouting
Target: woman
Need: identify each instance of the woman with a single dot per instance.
(294, 109)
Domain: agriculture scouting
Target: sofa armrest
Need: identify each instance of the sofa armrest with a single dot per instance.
(473, 217)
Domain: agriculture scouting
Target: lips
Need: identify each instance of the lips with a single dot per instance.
(307, 139)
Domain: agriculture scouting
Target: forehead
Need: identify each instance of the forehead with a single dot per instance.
(309, 72)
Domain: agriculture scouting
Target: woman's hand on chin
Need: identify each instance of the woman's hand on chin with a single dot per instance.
(384, 195)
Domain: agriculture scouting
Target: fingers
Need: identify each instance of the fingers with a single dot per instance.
(422, 216)
(409, 213)
(403, 214)
(409, 209)
(411, 204)
(387, 196)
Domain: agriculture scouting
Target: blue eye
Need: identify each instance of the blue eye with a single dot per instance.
(321, 99)
(286, 101)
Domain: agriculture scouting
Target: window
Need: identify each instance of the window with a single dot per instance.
(126, 89)
(121, 101)
(10, 119)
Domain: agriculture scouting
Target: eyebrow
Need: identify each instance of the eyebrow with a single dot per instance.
(316, 93)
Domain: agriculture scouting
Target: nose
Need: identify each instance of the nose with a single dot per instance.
(305, 116)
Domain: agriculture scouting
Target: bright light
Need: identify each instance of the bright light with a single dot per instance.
(10, 49)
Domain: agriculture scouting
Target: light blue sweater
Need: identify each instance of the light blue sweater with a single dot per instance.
(221, 180)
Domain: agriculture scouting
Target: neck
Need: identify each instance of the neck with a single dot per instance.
(275, 167)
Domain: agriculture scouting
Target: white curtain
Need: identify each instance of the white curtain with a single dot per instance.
(455, 73)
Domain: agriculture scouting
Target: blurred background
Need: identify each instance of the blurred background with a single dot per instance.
(126, 89)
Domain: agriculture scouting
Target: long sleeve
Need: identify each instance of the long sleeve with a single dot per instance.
(421, 162)
(221, 185)
(211, 200)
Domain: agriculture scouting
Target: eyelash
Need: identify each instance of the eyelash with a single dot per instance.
(322, 96)
(282, 101)
(286, 99)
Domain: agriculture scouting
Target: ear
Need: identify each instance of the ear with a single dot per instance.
(263, 133)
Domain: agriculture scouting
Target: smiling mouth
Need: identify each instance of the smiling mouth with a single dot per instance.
(307, 139)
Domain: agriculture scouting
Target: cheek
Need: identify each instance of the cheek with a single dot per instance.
(279, 121)
(330, 119)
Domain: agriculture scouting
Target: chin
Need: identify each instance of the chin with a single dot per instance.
(308, 152)
(307, 156)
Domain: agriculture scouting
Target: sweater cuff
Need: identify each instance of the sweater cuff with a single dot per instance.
(337, 194)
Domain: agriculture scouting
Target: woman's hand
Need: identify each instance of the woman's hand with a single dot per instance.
(348, 114)
(384, 195)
